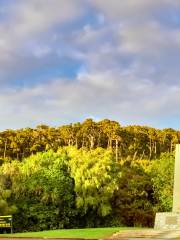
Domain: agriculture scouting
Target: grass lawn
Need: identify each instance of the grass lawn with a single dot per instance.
(95, 233)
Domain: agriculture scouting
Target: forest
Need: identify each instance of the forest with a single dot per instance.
(87, 174)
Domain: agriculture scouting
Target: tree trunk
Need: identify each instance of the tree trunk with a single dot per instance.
(155, 148)
(150, 149)
(91, 142)
(134, 157)
(99, 137)
(76, 143)
(83, 142)
(5, 148)
(142, 155)
(116, 150)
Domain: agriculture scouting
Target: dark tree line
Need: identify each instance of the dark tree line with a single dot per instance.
(76, 188)
(86, 175)
(130, 142)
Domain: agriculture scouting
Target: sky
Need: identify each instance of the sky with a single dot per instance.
(62, 61)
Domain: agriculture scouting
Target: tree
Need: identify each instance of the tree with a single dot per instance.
(89, 131)
(132, 202)
(161, 171)
(6, 208)
(6, 205)
(96, 175)
(43, 192)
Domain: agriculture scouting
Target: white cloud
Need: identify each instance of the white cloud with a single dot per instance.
(36, 16)
(42, 51)
(149, 38)
(130, 62)
(28, 24)
(125, 97)
(132, 9)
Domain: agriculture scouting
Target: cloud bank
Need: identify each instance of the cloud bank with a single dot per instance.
(63, 61)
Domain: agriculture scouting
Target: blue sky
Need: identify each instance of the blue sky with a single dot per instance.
(62, 61)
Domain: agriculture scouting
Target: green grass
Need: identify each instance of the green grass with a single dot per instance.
(92, 233)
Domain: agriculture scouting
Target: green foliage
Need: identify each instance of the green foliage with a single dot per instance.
(162, 174)
(5, 207)
(96, 176)
(133, 201)
(43, 192)
(131, 142)
(86, 175)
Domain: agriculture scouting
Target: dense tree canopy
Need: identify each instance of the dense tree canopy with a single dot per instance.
(162, 181)
(96, 175)
(86, 174)
(43, 190)
(127, 142)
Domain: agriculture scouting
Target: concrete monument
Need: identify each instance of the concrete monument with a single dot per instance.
(171, 220)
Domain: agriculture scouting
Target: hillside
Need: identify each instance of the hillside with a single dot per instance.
(131, 142)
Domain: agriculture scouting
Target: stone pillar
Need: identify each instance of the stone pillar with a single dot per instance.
(176, 190)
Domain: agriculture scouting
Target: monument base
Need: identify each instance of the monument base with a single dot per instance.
(167, 220)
